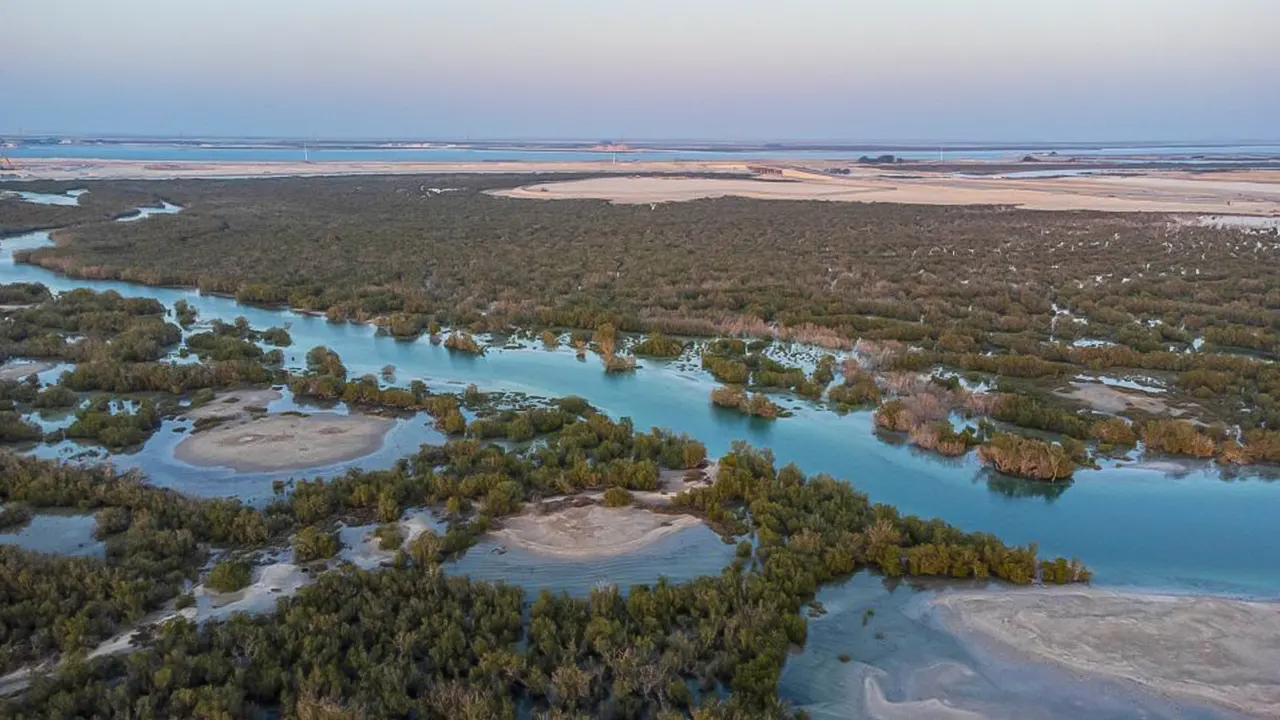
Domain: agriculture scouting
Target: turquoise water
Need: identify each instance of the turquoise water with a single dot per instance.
(1191, 531)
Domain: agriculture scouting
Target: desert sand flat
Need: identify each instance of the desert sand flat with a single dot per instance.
(1222, 651)
(592, 531)
(285, 442)
(96, 169)
(1235, 192)
(1156, 192)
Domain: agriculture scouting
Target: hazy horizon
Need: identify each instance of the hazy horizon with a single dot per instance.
(990, 71)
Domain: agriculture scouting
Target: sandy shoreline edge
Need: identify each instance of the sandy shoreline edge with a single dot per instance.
(1221, 651)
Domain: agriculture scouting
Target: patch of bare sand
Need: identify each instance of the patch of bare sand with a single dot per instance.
(1152, 192)
(20, 370)
(234, 404)
(878, 707)
(590, 531)
(1107, 399)
(1226, 652)
(285, 442)
(673, 482)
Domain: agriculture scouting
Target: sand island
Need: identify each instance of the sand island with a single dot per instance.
(249, 441)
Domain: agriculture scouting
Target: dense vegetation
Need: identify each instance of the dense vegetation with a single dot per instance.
(107, 202)
(808, 531)
(975, 288)
(83, 325)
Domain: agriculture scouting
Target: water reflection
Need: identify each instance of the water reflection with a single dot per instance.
(1018, 488)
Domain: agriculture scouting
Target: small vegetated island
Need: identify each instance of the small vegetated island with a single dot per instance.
(717, 643)
(1046, 305)
(961, 328)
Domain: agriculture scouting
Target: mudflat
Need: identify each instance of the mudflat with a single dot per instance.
(1217, 650)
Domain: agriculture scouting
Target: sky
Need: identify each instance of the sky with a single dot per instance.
(979, 70)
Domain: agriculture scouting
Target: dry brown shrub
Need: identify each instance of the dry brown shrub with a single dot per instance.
(928, 406)
(983, 403)
(876, 354)
(929, 437)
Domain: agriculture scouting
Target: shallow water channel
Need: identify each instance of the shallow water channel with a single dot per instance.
(1180, 528)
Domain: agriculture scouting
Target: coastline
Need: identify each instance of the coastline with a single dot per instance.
(1220, 651)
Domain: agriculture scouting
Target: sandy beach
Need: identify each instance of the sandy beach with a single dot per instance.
(285, 442)
(1216, 650)
(592, 531)
(1252, 193)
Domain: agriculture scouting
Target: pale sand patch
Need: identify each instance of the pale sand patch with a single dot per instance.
(592, 531)
(270, 583)
(673, 482)
(1151, 192)
(234, 403)
(1225, 652)
(20, 370)
(1107, 399)
(880, 708)
(285, 442)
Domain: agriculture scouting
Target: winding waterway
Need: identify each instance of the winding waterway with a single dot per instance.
(1191, 531)
(1148, 528)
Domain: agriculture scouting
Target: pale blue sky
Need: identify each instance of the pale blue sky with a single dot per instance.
(716, 69)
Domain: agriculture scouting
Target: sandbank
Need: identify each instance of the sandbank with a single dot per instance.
(1165, 192)
(285, 442)
(1216, 650)
(591, 531)
(20, 370)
